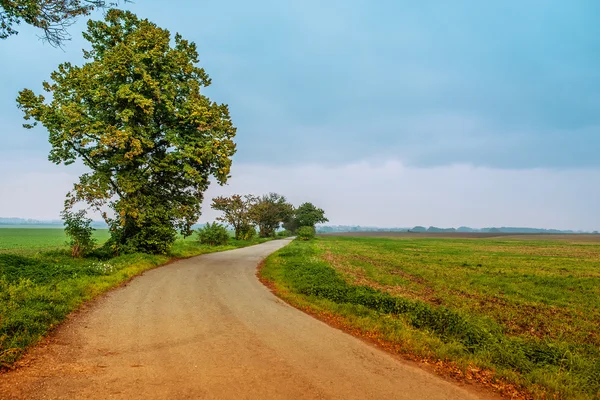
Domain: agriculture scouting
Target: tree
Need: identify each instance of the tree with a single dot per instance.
(78, 229)
(306, 232)
(135, 116)
(236, 212)
(305, 215)
(309, 215)
(53, 17)
(291, 224)
(269, 211)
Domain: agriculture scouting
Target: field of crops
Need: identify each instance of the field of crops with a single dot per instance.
(32, 240)
(527, 309)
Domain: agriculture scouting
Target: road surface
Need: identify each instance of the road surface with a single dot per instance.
(206, 328)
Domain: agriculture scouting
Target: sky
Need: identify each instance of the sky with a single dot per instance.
(384, 113)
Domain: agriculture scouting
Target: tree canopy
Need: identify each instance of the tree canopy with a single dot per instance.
(53, 17)
(269, 211)
(236, 212)
(135, 116)
(307, 214)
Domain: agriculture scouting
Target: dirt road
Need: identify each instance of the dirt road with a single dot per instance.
(206, 328)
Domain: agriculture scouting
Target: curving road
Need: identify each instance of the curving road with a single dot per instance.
(206, 328)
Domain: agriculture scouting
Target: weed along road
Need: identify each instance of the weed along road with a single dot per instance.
(205, 327)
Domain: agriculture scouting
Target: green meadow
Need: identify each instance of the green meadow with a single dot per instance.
(33, 240)
(526, 310)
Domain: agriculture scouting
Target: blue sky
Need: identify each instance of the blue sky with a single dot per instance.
(438, 88)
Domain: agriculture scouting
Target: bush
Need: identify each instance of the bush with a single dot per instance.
(79, 231)
(152, 236)
(246, 232)
(306, 232)
(284, 233)
(213, 234)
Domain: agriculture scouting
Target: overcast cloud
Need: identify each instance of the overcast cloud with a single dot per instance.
(385, 113)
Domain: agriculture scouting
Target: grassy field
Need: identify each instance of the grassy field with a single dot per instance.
(526, 309)
(33, 240)
(40, 283)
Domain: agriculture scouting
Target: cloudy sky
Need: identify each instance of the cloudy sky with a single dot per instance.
(387, 113)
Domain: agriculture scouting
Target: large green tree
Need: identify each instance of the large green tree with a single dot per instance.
(269, 211)
(236, 212)
(135, 116)
(53, 17)
(307, 214)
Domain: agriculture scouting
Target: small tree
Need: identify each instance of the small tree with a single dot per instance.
(306, 232)
(246, 232)
(213, 234)
(236, 212)
(79, 231)
(269, 211)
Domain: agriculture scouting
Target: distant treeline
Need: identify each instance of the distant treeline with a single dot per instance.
(433, 229)
(332, 228)
(49, 223)
(22, 221)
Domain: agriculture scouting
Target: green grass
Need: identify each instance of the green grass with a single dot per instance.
(529, 310)
(33, 240)
(41, 284)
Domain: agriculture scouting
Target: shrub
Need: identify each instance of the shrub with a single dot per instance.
(79, 231)
(213, 234)
(306, 232)
(246, 232)
(284, 233)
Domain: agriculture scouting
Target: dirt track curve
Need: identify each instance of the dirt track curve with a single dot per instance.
(206, 328)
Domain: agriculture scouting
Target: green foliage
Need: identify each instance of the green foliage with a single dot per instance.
(290, 225)
(135, 116)
(560, 361)
(309, 215)
(79, 231)
(305, 215)
(284, 233)
(236, 212)
(154, 235)
(306, 232)
(51, 16)
(213, 234)
(246, 232)
(269, 211)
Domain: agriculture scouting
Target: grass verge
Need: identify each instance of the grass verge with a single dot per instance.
(37, 291)
(469, 344)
